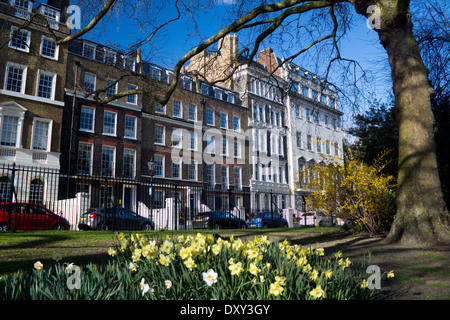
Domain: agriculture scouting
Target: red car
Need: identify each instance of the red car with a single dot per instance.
(31, 216)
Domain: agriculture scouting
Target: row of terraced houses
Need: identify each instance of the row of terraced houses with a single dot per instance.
(238, 145)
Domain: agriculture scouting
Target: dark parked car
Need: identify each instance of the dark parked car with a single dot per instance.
(31, 216)
(93, 219)
(218, 220)
(266, 220)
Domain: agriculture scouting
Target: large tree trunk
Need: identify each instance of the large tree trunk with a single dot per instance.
(422, 216)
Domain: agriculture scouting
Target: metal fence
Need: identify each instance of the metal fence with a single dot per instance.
(37, 198)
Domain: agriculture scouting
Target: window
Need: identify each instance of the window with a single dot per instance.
(132, 98)
(192, 170)
(314, 95)
(9, 131)
(89, 82)
(46, 85)
(112, 88)
(327, 147)
(336, 149)
(218, 94)
(230, 97)
(5, 188)
(325, 120)
(20, 39)
(129, 163)
(87, 116)
(316, 117)
(187, 83)
(308, 114)
(297, 111)
(210, 176)
(319, 144)
(159, 200)
(323, 99)
(238, 177)
(22, 4)
(109, 57)
(223, 120)
(294, 87)
(36, 191)
(305, 91)
(224, 176)
(41, 134)
(159, 108)
(280, 146)
(299, 139)
(192, 140)
(159, 166)
(255, 112)
(84, 164)
(309, 142)
(192, 112)
(261, 114)
(177, 109)
(177, 138)
(108, 164)
(237, 149)
(176, 168)
(129, 63)
(130, 126)
(109, 123)
(89, 50)
(333, 122)
(15, 77)
(224, 147)
(332, 103)
(204, 89)
(210, 117)
(156, 74)
(160, 134)
(210, 144)
(50, 13)
(49, 49)
(236, 123)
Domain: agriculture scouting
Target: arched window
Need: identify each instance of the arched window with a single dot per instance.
(37, 191)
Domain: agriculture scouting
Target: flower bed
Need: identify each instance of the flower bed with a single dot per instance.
(196, 267)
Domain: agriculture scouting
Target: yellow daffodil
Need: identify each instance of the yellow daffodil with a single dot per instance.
(390, 274)
(317, 292)
(189, 263)
(236, 268)
(185, 253)
(254, 270)
(302, 261)
(364, 284)
(167, 246)
(276, 289)
(328, 274)
(338, 254)
(164, 260)
(307, 268)
(320, 251)
(252, 253)
(120, 236)
(112, 252)
(216, 248)
(315, 275)
(280, 280)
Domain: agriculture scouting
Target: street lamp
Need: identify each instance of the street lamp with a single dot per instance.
(151, 168)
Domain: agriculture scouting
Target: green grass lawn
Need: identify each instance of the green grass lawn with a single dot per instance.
(20, 250)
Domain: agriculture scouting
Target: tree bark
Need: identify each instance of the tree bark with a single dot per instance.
(422, 216)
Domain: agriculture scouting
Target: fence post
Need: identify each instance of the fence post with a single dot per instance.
(10, 199)
(271, 206)
(176, 206)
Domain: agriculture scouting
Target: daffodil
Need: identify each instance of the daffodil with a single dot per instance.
(144, 287)
(302, 261)
(315, 275)
(252, 253)
(254, 270)
(317, 292)
(328, 274)
(216, 248)
(57, 257)
(280, 280)
(38, 265)
(167, 246)
(189, 263)
(236, 268)
(276, 289)
(112, 252)
(168, 284)
(364, 284)
(185, 253)
(390, 274)
(210, 277)
(120, 236)
(338, 254)
(132, 266)
(164, 260)
(320, 251)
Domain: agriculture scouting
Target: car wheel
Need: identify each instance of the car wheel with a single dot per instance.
(59, 226)
(100, 226)
(285, 225)
(147, 226)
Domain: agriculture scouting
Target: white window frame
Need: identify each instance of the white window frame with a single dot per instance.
(115, 123)
(238, 186)
(195, 164)
(224, 145)
(113, 87)
(93, 119)
(237, 143)
(133, 174)
(113, 169)
(213, 116)
(91, 146)
(193, 134)
(27, 45)
(94, 49)
(179, 162)
(110, 52)
(162, 165)
(210, 144)
(227, 170)
(180, 116)
(226, 120)
(24, 76)
(53, 75)
(163, 107)
(239, 123)
(195, 112)
(56, 57)
(134, 118)
(95, 81)
(163, 134)
(13, 109)
(177, 132)
(135, 98)
(49, 134)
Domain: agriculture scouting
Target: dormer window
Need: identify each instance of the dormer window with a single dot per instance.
(23, 8)
(52, 15)
(89, 50)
